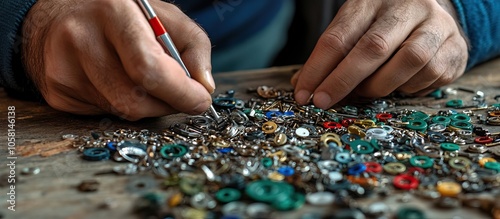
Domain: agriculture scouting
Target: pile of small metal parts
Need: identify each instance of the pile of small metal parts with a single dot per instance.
(269, 155)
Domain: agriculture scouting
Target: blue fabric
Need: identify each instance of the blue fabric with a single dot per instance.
(229, 22)
(480, 22)
(12, 13)
(259, 49)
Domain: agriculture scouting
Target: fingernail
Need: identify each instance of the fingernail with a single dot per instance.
(322, 100)
(211, 82)
(302, 97)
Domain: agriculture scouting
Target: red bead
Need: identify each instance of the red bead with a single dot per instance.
(405, 182)
(383, 117)
(373, 167)
(332, 125)
(483, 140)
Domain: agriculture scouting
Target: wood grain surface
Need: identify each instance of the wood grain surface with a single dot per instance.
(53, 192)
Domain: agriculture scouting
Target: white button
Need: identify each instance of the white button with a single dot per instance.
(302, 132)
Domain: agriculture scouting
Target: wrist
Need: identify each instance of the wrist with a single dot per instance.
(35, 29)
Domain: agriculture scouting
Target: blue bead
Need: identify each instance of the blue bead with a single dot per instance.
(332, 145)
(289, 113)
(286, 171)
(343, 157)
(111, 146)
(225, 150)
(271, 114)
(356, 169)
(346, 138)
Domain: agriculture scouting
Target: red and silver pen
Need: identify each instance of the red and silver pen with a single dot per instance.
(165, 40)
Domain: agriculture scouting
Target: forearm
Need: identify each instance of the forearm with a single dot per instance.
(481, 26)
(12, 74)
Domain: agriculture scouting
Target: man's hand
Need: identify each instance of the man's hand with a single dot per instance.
(101, 56)
(373, 48)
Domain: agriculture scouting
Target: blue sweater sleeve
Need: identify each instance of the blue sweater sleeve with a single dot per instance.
(481, 25)
(12, 75)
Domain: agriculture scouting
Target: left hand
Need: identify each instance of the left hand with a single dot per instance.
(373, 48)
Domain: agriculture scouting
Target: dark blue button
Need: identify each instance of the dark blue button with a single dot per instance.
(225, 150)
(96, 154)
(286, 171)
(356, 169)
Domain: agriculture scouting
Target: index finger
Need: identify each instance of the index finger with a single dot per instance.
(338, 39)
(196, 51)
(388, 29)
(148, 65)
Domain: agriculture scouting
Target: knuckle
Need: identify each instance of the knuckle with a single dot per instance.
(65, 29)
(376, 45)
(201, 36)
(446, 78)
(417, 55)
(334, 40)
(199, 39)
(146, 64)
(344, 83)
(106, 6)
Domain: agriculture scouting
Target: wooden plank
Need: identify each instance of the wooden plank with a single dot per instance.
(53, 193)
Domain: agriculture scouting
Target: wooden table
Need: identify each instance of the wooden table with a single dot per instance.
(53, 194)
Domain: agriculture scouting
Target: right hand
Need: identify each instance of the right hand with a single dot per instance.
(101, 56)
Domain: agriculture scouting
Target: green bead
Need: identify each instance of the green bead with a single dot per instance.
(267, 191)
(153, 198)
(462, 125)
(441, 120)
(438, 94)
(449, 147)
(266, 162)
(361, 147)
(455, 103)
(419, 116)
(460, 117)
(226, 195)
(405, 119)
(417, 125)
(260, 116)
(410, 213)
(374, 144)
(317, 110)
(170, 151)
(421, 161)
(496, 105)
(492, 166)
(289, 202)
